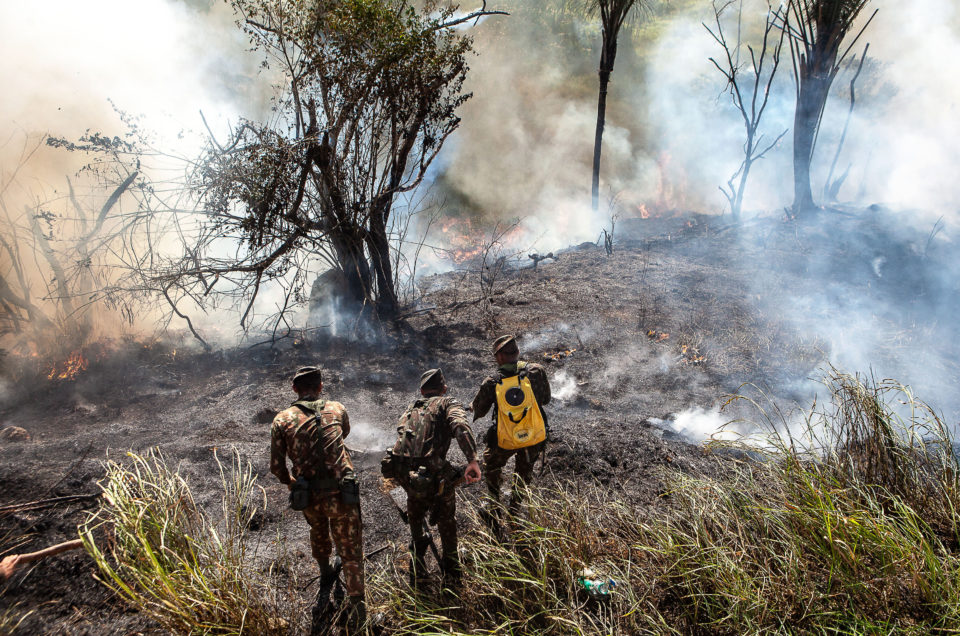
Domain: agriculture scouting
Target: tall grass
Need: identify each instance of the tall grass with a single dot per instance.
(158, 550)
(853, 530)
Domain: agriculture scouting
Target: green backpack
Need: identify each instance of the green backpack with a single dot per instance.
(416, 432)
(308, 434)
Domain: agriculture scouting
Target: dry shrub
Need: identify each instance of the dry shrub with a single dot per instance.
(159, 551)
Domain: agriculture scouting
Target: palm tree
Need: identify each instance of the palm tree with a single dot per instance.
(613, 13)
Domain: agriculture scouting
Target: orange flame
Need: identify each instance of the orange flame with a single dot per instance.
(656, 335)
(70, 368)
(559, 355)
(465, 242)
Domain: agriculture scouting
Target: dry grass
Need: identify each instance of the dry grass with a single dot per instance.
(160, 552)
(853, 531)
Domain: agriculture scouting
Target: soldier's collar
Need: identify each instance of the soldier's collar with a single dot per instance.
(509, 368)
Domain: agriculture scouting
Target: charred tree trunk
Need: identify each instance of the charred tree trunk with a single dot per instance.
(607, 57)
(811, 100)
(816, 29)
(379, 247)
(356, 269)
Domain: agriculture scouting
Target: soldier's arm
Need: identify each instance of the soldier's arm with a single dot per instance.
(345, 424)
(335, 452)
(484, 399)
(278, 453)
(540, 384)
(457, 419)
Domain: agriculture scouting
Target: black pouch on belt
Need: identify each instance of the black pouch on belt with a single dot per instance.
(349, 490)
(300, 494)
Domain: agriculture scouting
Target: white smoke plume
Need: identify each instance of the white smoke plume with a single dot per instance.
(525, 146)
(699, 424)
(563, 387)
(367, 437)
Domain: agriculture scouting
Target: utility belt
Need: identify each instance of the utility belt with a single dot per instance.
(397, 466)
(302, 488)
(422, 477)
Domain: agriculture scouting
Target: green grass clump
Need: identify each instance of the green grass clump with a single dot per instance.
(159, 551)
(853, 530)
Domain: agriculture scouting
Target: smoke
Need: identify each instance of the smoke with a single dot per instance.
(72, 68)
(563, 387)
(672, 135)
(699, 424)
(366, 436)
(898, 146)
(878, 303)
(524, 149)
(166, 60)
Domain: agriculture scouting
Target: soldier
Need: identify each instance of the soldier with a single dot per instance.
(418, 461)
(519, 422)
(323, 483)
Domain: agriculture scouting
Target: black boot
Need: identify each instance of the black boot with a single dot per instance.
(322, 606)
(356, 615)
(452, 572)
(513, 508)
(418, 561)
(330, 571)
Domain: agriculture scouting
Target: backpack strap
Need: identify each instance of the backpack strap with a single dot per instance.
(522, 371)
(322, 481)
(310, 407)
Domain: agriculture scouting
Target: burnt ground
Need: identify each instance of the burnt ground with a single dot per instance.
(685, 312)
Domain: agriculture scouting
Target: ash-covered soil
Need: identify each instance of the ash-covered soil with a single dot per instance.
(684, 312)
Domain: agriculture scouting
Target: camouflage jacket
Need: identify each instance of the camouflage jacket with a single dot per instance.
(487, 395)
(449, 420)
(323, 455)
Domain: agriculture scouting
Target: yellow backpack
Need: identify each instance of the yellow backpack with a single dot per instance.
(519, 418)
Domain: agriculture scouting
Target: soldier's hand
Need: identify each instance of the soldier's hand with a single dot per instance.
(472, 473)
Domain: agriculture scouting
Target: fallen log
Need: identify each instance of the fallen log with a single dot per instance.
(10, 563)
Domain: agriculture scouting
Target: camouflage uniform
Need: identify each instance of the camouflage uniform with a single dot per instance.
(323, 456)
(448, 419)
(494, 457)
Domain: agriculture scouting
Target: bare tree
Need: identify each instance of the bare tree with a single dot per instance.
(750, 99)
(816, 31)
(60, 259)
(613, 14)
(371, 92)
(831, 187)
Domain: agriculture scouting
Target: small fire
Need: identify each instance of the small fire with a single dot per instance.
(691, 355)
(70, 368)
(465, 242)
(657, 336)
(559, 355)
(643, 211)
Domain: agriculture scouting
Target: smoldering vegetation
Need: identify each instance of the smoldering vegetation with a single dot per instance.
(157, 299)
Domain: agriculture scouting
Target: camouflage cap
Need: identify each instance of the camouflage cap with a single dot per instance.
(504, 342)
(312, 373)
(432, 379)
